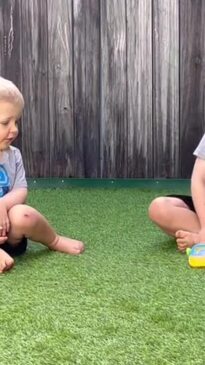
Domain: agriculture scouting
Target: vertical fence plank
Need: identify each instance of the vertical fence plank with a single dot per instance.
(10, 46)
(166, 87)
(86, 87)
(10, 50)
(113, 89)
(139, 75)
(60, 70)
(35, 86)
(192, 77)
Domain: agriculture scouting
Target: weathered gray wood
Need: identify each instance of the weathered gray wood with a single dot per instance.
(36, 141)
(192, 78)
(86, 87)
(10, 51)
(166, 87)
(113, 89)
(139, 93)
(60, 69)
(102, 86)
(10, 46)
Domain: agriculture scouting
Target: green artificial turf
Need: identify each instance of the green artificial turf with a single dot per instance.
(131, 298)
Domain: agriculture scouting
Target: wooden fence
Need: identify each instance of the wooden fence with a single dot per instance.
(113, 88)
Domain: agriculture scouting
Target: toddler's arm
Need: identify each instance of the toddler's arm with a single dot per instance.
(14, 197)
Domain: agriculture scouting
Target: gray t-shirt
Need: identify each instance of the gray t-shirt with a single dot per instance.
(12, 173)
(200, 150)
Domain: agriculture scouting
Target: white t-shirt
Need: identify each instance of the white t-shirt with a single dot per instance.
(12, 173)
(200, 150)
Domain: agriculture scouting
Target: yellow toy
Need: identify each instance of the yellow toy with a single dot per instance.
(196, 255)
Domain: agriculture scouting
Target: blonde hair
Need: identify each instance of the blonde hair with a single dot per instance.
(9, 92)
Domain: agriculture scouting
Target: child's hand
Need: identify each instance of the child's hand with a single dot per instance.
(4, 220)
(3, 239)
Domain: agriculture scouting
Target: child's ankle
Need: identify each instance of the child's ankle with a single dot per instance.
(54, 243)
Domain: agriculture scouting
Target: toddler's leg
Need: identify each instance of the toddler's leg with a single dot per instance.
(6, 261)
(172, 214)
(28, 222)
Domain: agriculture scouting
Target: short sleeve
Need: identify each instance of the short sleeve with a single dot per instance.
(200, 150)
(20, 178)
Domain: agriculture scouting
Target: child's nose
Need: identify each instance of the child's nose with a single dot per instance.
(14, 128)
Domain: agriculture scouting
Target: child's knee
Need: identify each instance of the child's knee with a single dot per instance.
(22, 216)
(157, 209)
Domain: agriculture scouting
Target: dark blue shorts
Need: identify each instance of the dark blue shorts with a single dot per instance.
(186, 199)
(15, 250)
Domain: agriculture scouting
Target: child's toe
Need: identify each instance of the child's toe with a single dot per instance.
(9, 263)
(178, 234)
(80, 248)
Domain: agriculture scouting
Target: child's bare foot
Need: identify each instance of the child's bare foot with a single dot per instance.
(186, 239)
(6, 261)
(67, 245)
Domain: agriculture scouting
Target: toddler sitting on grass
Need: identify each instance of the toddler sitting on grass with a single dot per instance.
(18, 221)
(182, 216)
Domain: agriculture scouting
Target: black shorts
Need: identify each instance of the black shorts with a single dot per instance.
(186, 199)
(15, 250)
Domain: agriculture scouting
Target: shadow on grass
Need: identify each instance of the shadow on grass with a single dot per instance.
(34, 252)
(166, 247)
(169, 245)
